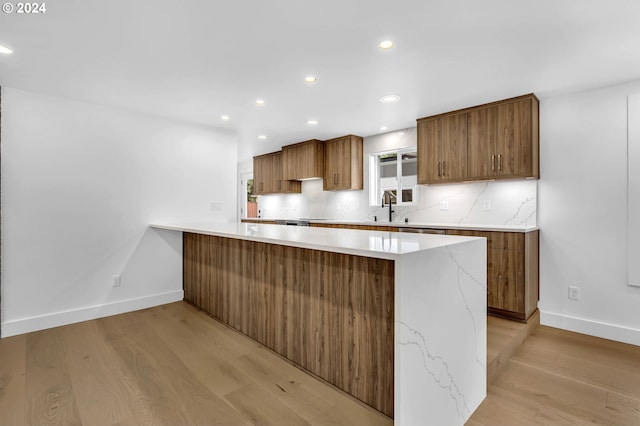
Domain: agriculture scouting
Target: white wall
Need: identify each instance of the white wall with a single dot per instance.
(633, 189)
(582, 214)
(513, 203)
(80, 184)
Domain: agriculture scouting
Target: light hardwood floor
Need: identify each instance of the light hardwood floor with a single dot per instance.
(562, 378)
(175, 365)
(170, 365)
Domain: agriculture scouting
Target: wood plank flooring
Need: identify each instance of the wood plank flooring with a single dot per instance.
(169, 365)
(562, 378)
(504, 338)
(174, 365)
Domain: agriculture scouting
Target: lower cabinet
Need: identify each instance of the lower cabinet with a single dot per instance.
(361, 227)
(512, 267)
(512, 271)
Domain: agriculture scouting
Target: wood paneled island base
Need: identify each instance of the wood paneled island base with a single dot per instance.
(395, 319)
(330, 313)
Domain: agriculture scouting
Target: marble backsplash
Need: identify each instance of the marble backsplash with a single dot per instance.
(513, 203)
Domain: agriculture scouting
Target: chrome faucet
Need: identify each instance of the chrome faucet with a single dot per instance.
(389, 194)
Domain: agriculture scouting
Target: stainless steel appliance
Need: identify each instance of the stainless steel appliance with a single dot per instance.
(423, 230)
(292, 222)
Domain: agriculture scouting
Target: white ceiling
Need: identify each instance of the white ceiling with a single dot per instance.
(195, 60)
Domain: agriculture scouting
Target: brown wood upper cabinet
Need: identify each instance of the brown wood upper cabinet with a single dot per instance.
(304, 160)
(503, 139)
(267, 176)
(343, 167)
(442, 149)
(499, 140)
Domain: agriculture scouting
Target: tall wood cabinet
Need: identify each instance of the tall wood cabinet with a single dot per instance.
(512, 271)
(343, 163)
(304, 160)
(499, 140)
(442, 149)
(267, 176)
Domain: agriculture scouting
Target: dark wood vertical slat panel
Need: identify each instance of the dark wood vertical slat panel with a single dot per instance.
(330, 313)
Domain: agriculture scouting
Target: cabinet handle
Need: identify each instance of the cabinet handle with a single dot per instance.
(335, 178)
(279, 184)
(500, 162)
(493, 163)
(444, 167)
(261, 186)
(439, 169)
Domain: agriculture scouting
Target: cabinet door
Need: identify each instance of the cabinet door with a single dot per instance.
(343, 167)
(514, 140)
(337, 165)
(483, 132)
(282, 186)
(265, 169)
(505, 269)
(304, 160)
(258, 175)
(442, 149)
(276, 164)
(453, 147)
(429, 151)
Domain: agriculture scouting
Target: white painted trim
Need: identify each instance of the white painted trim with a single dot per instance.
(57, 319)
(593, 328)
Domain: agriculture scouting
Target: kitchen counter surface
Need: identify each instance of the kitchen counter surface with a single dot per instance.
(499, 228)
(378, 244)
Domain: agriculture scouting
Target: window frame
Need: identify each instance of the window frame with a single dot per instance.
(375, 190)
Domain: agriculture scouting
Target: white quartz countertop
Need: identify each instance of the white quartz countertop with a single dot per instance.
(378, 244)
(499, 228)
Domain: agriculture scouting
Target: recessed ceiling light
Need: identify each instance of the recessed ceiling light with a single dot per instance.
(5, 50)
(259, 101)
(386, 44)
(312, 122)
(389, 99)
(383, 128)
(224, 117)
(310, 79)
(262, 137)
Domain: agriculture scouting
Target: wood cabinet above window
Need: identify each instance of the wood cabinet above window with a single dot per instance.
(304, 160)
(499, 140)
(343, 163)
(267, 176)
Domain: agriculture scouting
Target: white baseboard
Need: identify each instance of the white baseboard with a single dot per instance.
(57, 319)
(592, 328)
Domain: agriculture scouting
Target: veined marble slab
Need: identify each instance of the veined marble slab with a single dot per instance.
(441, 334)
(440, 310)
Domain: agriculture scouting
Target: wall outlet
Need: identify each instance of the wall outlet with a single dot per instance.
(115, 281)
(486, 205)
(444, 205)
(574, 293)
(215, 205)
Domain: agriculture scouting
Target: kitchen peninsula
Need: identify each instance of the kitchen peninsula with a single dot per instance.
(396, 320)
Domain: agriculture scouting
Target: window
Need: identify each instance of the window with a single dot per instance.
(389, 177)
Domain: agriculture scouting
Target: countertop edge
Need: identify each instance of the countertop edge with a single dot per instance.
(356, 251)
